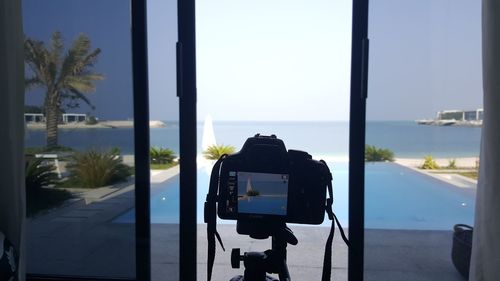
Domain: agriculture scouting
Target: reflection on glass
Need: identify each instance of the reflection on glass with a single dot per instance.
(424, 117)
(79, 138)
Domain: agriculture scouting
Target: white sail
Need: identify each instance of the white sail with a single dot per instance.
(208, 137)
(249, 185)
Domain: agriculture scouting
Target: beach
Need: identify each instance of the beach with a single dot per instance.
(460, 162)
(100, 125)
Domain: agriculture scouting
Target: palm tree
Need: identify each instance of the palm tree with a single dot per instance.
(66, 78)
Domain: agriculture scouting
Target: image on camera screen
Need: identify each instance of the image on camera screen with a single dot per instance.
(261, 193)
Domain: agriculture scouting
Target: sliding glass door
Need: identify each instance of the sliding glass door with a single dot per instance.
(103, 140)
(423, 132)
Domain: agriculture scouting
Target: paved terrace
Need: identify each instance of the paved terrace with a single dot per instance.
(81, 239)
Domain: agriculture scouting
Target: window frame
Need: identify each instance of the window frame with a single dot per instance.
(357, 124)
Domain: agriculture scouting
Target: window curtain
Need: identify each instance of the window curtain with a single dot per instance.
(485, 262)
(12, 195)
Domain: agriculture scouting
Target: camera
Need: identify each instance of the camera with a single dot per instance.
(263, 187)
(264, 182)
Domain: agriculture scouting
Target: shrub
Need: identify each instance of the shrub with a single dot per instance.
(91, 120)
(452, 164)
(39, 174)
(253, 193)
(95, 168)
(214, 152)
(159, 155)
(429, 163)
(41, 199)
(374, 154)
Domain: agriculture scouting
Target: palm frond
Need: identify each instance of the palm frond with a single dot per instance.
(76, 65)
(37, 59)
(74, 57)
(74, 94)
(79, 84)
(55, 52)
(214, 152)
(57, 46)
(90, 59)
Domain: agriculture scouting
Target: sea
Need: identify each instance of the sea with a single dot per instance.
(321, 139)
(395, 197)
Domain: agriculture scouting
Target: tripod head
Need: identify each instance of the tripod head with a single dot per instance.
(264, 229)
(257, 264)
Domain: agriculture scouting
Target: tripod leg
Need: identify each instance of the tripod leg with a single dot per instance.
(284, 274)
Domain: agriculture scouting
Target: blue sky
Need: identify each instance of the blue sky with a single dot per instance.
(281, 60)
(107, 23)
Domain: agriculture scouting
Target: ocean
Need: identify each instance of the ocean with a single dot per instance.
(321, 139)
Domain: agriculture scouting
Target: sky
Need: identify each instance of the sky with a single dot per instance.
(107, 24)
(280, 60)
(424, 57)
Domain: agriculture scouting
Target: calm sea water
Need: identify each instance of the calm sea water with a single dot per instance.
(405, 138)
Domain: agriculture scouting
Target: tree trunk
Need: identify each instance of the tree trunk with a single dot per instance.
(51, 111)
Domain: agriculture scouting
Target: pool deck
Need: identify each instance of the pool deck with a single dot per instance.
(97, 247)
(449, 176)
(81, 239)
(107, 251)
(389, 254)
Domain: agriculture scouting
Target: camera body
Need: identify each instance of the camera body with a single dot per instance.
(265, 182)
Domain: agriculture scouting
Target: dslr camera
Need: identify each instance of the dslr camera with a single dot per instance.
(263, 187)
(266, 183)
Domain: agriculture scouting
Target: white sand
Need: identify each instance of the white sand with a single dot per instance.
(101, 124)
(464, 162)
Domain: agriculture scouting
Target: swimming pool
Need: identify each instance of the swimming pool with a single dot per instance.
(395, 198)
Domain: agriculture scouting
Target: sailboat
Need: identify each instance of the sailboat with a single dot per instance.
(207, 140)
(250, 191)
(208, 137)
(249, 186)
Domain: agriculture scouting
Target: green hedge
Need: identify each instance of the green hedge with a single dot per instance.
(374, 154)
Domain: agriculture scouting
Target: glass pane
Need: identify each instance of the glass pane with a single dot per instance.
(164, 134)
(283, 68)
(79, 138)
(425, 108)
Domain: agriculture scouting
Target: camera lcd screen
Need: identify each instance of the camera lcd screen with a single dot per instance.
(262, 193)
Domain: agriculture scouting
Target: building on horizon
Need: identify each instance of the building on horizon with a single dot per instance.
(65, 118)
(455, 118)
(460, 115)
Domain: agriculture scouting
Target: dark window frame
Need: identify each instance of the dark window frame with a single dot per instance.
(359, 79)
(186, 91)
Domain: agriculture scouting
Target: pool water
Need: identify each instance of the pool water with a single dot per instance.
(400, 198)
(395, 198)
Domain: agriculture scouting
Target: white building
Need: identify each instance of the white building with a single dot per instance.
(34, 117)
(74, 117)
(461, 115)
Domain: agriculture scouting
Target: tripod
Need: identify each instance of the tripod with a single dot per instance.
(257, 264)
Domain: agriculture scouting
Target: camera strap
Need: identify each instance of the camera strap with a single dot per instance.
(327, 261)
(210, 216)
